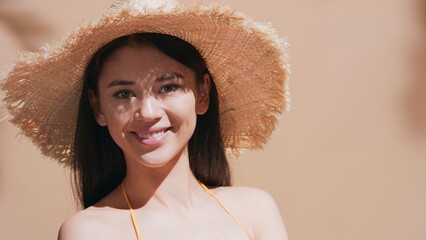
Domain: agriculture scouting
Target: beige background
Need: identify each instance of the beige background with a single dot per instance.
(349, 159)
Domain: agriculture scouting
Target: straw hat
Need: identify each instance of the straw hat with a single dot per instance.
(247, 60)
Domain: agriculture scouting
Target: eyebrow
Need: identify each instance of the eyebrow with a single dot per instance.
(164, 77)
(169, 75)
(120, 83)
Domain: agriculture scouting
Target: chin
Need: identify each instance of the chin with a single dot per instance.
(153, 163)
(154, 160)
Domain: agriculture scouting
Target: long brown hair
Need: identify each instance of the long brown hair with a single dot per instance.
(99, 165)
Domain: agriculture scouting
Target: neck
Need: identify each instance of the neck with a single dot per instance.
(171, 185)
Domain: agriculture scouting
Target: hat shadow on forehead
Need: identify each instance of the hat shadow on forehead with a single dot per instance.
(149, 67)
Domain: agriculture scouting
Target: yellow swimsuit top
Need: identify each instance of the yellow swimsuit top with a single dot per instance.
(135, 224)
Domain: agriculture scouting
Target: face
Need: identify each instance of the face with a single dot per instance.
(149, 102)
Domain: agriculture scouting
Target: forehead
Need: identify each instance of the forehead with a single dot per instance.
(142, 61)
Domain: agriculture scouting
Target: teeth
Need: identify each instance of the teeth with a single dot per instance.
(150, 135)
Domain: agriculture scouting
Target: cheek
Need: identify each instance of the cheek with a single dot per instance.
(182, 110)
(185, 104)
(116, 116)
(117, 123)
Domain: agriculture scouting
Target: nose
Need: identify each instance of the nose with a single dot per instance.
(148, 109)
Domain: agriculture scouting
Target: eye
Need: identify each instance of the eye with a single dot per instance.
(124, 94)
(169, 88)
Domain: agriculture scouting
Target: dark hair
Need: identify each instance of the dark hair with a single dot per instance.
(99, 165)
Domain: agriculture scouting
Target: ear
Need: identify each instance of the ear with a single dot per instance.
(203, 98)
(97, 110)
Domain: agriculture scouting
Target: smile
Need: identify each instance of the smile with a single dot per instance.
(151, 137)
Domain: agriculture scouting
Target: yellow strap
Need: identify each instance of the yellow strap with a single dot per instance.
(224, 208)
(132, 215)
(135, 224)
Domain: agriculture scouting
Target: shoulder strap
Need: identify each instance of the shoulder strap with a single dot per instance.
(224, 208)
(132, 215)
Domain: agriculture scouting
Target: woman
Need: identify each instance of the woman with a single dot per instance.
(152, 127)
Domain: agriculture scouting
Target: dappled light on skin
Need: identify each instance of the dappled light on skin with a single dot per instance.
(148, 102)
(148, 86)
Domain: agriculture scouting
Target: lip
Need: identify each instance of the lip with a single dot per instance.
(151, 136)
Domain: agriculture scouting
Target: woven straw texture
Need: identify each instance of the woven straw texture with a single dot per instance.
(247, 60)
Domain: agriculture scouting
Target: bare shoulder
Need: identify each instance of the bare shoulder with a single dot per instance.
(248, 200)
(245, 194)
(80, 226)
(256, 209)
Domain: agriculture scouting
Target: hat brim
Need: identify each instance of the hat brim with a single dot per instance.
(248, 62)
